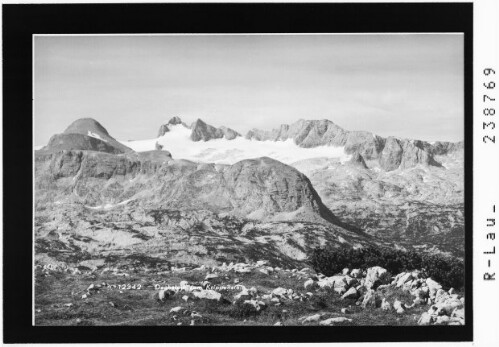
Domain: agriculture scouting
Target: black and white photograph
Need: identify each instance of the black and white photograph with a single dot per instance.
(272, 172)
(279, 179)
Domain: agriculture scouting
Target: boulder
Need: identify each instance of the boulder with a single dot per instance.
(351, 294)
(309, 284)
(425, 319)
(458, 313)
(310, 319)
(398, 306)
(403, 279)
(338, 281)
(242, 270)
(370, 299)
(211, 276)
(333, 320)
(351, 281)
(195, 314)
(433, 287)
(420, 293)
(356, 273)
(442, 320)
(340, 290)
(175, 309)
(383, 286)
(207, 294)
(418, 302)
(279, 291)
(164, 294)
(446, 307)
(257, 305)
(376, 276)
(385, 305)
(243, 295)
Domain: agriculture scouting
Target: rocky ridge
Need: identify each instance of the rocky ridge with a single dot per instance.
(423, 206)
(205, 132)
(164, 128)
(200, 131)
(258, 189)
(76, 185)
(391, 152)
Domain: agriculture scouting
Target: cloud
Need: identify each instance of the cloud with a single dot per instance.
(374, 82)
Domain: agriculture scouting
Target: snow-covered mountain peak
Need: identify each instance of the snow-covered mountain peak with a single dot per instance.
(178, 140)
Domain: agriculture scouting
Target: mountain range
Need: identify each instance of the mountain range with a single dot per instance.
(387, 153)
(283, 186)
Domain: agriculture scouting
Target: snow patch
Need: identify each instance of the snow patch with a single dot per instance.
(222, 151)
(94, 135)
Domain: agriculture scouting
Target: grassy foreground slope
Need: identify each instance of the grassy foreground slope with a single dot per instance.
(270, 296)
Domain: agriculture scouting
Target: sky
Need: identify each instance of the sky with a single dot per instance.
(410, 86)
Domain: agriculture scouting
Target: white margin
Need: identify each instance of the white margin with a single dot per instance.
(485, 328)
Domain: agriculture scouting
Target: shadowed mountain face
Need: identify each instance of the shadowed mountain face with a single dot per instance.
(261, 189)
(205, 132)
(86, 134)
(391, 153)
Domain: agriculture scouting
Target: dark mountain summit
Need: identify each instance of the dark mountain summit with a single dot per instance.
(205, 132)
(86, 134)
(86, 125)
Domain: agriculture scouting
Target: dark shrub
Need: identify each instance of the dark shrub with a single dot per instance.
(446, 270)
(241, 310)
